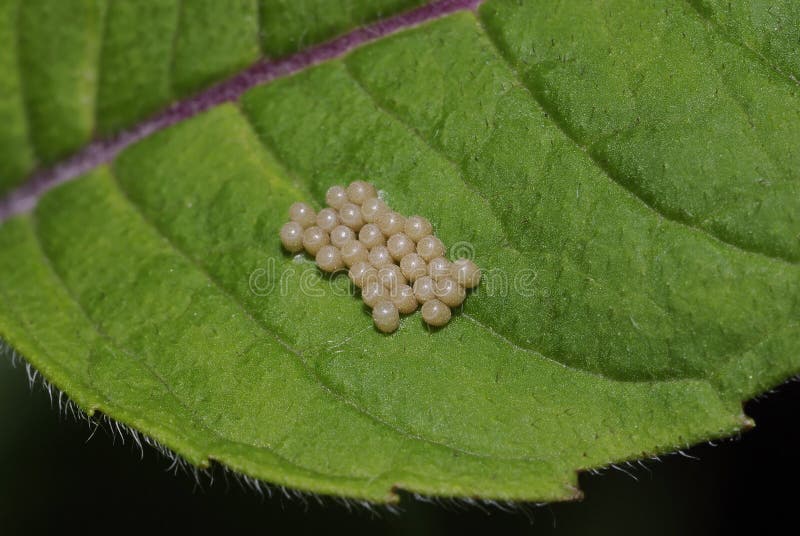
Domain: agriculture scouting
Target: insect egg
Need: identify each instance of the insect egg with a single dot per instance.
(400, 245)
(371, 236)
(404, 299)
(329, 259)
(327, 219)
(449, 292)
(314, 238)
(379, 257)
(361, 273)
(413, 266)
(360, 191)
(439, 268)
(391, 223)
(372, 208)
(397, 262)
(354, 251)
(292, 236)
(424, 289)
(386, 316)
(335, 197)
(391, 276)
(429, 247)
(341, 234)
(372, 292)
(303, 214)
(350, 215)
(466, 273)
(435, 313)
(416, 227)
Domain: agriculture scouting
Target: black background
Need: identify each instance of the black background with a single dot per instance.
(53, 480)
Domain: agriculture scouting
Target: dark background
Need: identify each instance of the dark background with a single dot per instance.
(53, 480)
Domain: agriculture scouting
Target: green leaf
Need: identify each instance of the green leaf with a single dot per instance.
(626, 174)
(73, 69)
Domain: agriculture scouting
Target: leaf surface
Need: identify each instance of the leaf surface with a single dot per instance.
(71, 70)
(625, 175)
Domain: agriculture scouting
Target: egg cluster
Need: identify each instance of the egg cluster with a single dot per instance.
(396, 261)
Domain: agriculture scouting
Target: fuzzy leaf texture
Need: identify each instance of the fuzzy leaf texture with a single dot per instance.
(626, 174)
